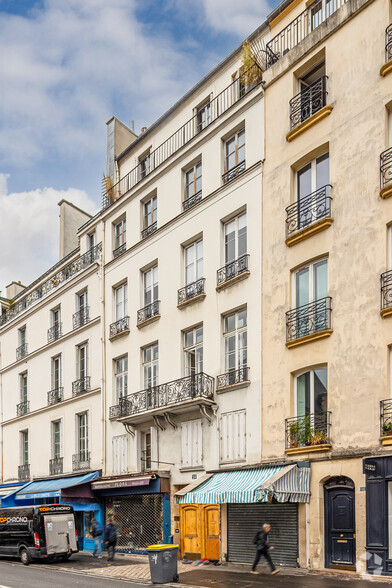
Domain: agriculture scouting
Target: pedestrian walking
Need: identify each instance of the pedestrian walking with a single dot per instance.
(262, 548)
(110, 538)
(96, 532)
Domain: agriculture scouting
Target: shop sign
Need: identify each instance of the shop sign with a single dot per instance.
(121, 484)
(370, 466)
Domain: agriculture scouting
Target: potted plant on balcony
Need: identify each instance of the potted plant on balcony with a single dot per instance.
(319, 438)
(294, 432)
(249, 71)
(387, 429)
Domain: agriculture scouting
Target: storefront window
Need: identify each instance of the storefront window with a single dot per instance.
(139, 520)
(88, 516)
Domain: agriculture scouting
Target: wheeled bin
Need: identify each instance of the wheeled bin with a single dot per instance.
(163, 563)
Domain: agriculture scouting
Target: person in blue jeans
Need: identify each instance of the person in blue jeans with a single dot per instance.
(96, 532)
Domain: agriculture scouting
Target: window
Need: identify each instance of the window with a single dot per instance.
(193, 182)
(23, 387)
(150, 366)
(22, 337)
(312, 95)
(194, 262)
(235, 339)
(55, 322)
(311, 283)
(82, 436)
(56, 440)
(193, 351)
(121, 377)
(191, 444)
(238, 86)
(121, 301)
(120, 454)
(56, 372)
(233, 436)
(24, 448)
(149, 449)
(91, 240)
(203, 115)
(81, 316)
(82, 361)
(144, 165)
(120, 235)
(235, 233)
(81, 301)
(235, 151)
(150, 214)
(150, 286)
(311, 392)
(312, 191)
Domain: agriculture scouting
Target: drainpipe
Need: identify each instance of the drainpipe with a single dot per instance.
(103, 353)
(307, 527)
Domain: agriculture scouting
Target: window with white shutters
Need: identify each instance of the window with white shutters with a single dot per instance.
(233, 436)
(191, 444)
(120, 454)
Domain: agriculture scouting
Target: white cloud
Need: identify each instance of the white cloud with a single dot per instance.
(29, 235)
(232, 16)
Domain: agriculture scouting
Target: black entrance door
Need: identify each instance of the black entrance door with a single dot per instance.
(339, 499)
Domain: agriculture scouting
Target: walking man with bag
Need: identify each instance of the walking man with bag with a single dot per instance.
(110, 538)
(262, 548)
(96, 532)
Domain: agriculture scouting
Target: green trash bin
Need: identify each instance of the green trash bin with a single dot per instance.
(163, 563)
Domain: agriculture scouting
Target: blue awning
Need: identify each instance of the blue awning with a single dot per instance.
(251, 486)
(52, 488)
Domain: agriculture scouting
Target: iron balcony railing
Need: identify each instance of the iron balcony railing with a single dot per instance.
(307, 102)
(192, 200)
(119, 250)
(386, 289)
(234, 172)
(149, 230)
(308, 210)
(81, 461)
(148, 312)
(119, 326)
(56, 466)
(233, 269)
(191, 290)
(232, 377)
(299, 28)
(388, 43)
(53, 282)
(189, 388)
(23, 408)
(308, 430)
(385, 168)
(81, 386)
(218, 106)
(308, 319)
(81, 317)
(55, 332)
(56, 395)
(21, 351)
(386, 417)
(115, 411)
(24, 472)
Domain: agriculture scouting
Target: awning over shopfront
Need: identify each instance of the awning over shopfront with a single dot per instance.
(284, 483)
(51, 488)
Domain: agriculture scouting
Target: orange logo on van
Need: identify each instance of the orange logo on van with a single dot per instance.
(44, 509)
(3, 519)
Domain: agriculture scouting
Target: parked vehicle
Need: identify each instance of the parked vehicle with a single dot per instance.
(36, 532)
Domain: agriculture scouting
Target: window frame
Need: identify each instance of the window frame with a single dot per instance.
(311, 281)
(311, 371)
(237, 333)
(24, 447)
(149, 215)
(120, 233)
(82, 441)
(53, 424)
(79, 347)
(237, 237)
(120, 377)
(195, 347)
(197, 261)
(150, 364)
(53, 361)
(153, 289)
(123, 288)
(23, 386)
(194, 182)
(235, 136)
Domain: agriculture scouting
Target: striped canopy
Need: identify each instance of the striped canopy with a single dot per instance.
(252, 485)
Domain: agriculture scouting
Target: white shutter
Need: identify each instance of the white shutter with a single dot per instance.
(154, 448)
(185, 448)
(115, 455)
(198, 443)
(120, 454)
(233, 436)
(191, 443)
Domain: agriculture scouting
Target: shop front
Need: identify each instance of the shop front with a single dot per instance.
(140, 508)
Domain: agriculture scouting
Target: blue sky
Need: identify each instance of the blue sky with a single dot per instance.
(65, 67)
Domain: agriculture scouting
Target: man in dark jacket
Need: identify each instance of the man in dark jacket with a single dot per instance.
(262, 548)
(96, 532)
(110, 538)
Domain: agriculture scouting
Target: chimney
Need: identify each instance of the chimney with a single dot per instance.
(119, 136)
(143, 130)
(14, 289)
(71, 218)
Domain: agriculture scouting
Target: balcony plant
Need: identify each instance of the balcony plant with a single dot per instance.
(250, 71)
(294, 431)
(387, 429)
(319, 438)
(108, 189)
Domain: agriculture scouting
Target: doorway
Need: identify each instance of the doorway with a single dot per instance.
(200, 531)
(339, 517)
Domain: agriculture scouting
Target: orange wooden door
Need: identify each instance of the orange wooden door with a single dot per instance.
(190, 531)
(211, 531)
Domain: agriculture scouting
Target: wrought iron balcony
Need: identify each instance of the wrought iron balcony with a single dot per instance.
(388, 43)
(191, 290)
(385, 168)
(81, 317)
(81, 386)
(21, 351)
(308, 210)
(24, 472)
(148, 312)
(119, 326)
(192, 200)
(23, 408)
(233, 269)
(149, 230)
(81, 461)
(234, 172)
(232, 94)
(232, 378)
(308, 319)
(55, 332)
(196, 387)
(115, 411)
(119, 250)
(56, 395)
(386, 289)
(309, 101)
(54, 281)
(56, 466)
(309, 430)
(386, 417)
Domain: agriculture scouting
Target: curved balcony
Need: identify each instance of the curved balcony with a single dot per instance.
(23, 408)
(148, 314)
(308, 102)
(191, 292)
(81, 317)
(309, 432)
(120, 327)
(56, 395)
(21, 351)
(232, 272)
(386, 173)
(309, 215)
(81, 386)
(386, 293)
(309, 322)
(55, 332)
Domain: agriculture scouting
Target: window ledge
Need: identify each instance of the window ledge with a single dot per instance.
(386, 68)
(224, 389)
(309, 122)
(309, 231)
(386, 440)
(232, 281)
(197, 298)
(386, 192)
(148, 321)
(308, 449)
(309, 338)
(386, 312)
(199, 468)
(118, 335)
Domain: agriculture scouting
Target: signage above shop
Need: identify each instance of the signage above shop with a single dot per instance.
(125, 483)
(370, 466)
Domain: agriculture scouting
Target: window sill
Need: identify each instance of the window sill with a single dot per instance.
(224, 389)
(193, 300)
(199, 468)
(309, 231)
(386, 312)
(118, 335)
(386, 440)
(386, 68)
(386, 192)
(309, 338)
(148, 321)
(241, 276)
(308, 449)
(309, 122)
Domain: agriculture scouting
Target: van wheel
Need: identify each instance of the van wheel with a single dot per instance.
(25, 557)
(66, 557)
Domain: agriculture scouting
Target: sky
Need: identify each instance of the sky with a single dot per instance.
(66, 66)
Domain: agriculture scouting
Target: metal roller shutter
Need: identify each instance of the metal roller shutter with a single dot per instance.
(243, 522)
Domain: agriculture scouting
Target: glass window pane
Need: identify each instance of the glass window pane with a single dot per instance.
(322, 171)
(304, 182)
(242, 318)
(320, 280)
(188, 338)
(229, 323)
(302, 287)
(199, 334)
(320, 390)
(303, 394)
